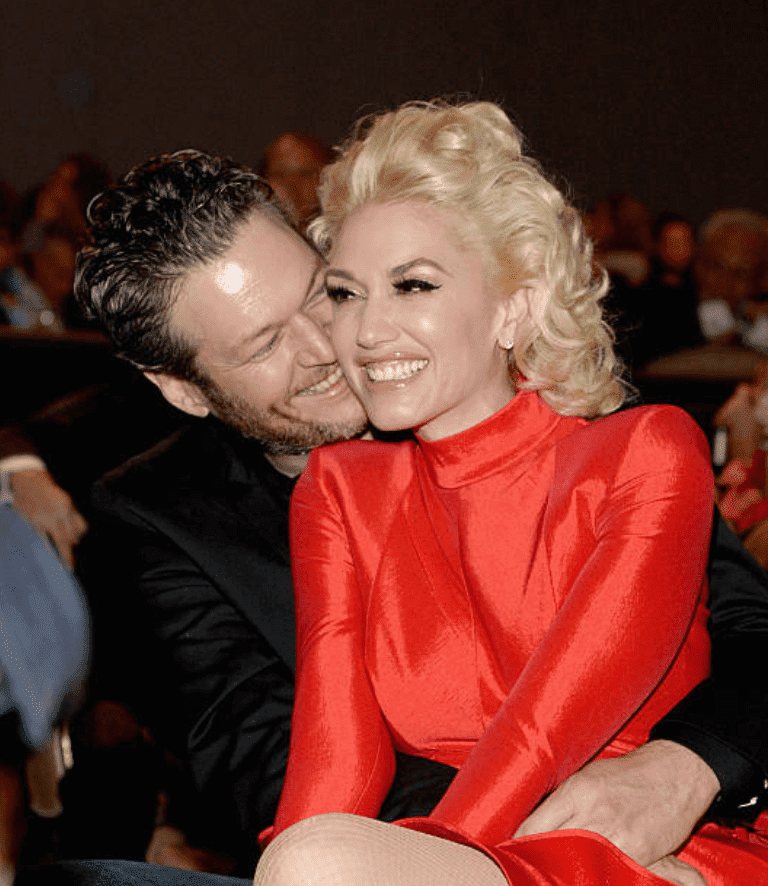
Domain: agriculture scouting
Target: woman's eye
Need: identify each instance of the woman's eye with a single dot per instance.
(414, 284)
(339, 294)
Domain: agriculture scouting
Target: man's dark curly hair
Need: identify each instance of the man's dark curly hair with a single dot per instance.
(162, 220)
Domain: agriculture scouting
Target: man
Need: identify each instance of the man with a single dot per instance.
(203, 285)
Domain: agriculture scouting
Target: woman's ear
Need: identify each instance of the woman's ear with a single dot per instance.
(514, 309)
(184, 395)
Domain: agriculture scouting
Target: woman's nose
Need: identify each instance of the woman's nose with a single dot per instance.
(376, 325)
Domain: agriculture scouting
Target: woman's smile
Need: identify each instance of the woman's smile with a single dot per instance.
(388, 370)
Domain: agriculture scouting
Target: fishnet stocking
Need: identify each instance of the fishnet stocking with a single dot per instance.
(348, 850)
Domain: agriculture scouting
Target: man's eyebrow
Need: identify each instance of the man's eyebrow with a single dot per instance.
(316, 285)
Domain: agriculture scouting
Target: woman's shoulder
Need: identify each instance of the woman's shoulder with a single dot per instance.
(657, 436)
(662, 418)
(364, 467)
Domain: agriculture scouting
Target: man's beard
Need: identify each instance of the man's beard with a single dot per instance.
(278, 435)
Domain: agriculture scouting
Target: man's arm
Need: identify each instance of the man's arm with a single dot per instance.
(713, 746)
(214, 690)
(724, 720)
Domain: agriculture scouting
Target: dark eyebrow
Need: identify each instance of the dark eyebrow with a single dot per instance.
(403, 269)
(336, 272)
(397, 271)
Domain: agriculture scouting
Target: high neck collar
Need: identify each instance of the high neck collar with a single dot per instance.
(507, 438)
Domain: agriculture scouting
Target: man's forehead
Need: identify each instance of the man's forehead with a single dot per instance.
(266, 276)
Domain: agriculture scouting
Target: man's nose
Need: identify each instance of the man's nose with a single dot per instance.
(313, 342)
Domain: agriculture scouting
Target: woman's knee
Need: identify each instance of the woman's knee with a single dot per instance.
(319, 850)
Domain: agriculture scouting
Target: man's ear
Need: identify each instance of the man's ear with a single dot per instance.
(184, 395)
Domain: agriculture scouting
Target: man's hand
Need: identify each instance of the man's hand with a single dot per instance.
(646, 803)
(737, 414)
(49, 509)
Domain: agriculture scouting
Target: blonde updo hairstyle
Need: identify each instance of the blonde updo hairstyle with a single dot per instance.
(468, 158)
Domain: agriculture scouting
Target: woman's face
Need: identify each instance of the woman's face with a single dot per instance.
(415, 327)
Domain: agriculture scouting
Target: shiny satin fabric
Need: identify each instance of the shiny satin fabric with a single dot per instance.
(513, 601)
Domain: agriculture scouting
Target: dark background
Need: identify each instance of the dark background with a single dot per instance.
(664, 99)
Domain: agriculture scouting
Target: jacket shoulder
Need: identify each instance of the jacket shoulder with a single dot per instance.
(192, 456)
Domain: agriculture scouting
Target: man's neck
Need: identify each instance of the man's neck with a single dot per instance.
(289, 464)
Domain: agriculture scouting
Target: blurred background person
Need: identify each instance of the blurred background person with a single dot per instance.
(63, 198)
(663, 309)
(22, 303)
(621, 225)
(292, 164)
(44, 643)
(730, 269)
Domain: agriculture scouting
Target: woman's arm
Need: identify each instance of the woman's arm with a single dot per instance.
(341, 757)
(612, 641)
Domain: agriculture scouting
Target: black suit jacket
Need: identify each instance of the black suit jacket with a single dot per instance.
(187, 566)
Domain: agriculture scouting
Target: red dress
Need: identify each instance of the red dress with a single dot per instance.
(513, 601)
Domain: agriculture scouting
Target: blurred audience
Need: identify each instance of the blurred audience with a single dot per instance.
(674, 246)
(22, 302)
(743, 482)
(730, 269)
(621, 227)
(63, 198)
(39, 238)
(663, 309)
(292, 164)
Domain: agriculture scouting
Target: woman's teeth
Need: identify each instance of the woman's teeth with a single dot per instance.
(395, 370)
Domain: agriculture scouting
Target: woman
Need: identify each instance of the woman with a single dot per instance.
(518, 587)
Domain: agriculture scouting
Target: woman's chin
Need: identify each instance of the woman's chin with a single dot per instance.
(392, 422)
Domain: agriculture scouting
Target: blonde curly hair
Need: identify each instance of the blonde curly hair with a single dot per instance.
(468, 158)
